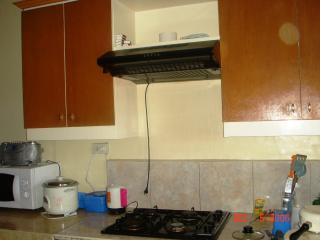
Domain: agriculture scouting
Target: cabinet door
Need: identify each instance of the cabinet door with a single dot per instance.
(88, 36)
(259, 55)
(43, 67)
(309, 22)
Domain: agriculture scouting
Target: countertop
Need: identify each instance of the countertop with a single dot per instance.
(88, 225)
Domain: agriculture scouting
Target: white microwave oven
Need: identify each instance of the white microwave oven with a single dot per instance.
(21, 186)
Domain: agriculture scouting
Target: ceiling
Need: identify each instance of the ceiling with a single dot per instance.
(142, 5)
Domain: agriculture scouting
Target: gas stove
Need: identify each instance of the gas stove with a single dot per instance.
(165, 223)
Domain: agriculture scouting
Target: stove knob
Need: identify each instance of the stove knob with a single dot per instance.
(218, 214)
(118, 221)
(208, 229)
(26, 194)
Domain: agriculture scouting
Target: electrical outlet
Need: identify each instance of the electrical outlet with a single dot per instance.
(100, 148)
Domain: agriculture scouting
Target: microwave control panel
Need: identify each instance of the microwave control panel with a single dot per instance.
(25, 188)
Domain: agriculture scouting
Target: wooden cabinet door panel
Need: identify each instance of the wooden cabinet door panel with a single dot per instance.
(309, 22)
(43, 67)
(88, 36)
(260, 77)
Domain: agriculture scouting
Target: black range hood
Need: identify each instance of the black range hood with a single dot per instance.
(168, 63)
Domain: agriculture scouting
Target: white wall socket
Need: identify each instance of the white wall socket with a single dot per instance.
(100, 148)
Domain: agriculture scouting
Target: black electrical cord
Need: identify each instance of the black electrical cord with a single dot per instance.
(136, 202)
(146, 190)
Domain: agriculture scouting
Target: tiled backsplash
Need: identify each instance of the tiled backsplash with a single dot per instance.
(207, 185)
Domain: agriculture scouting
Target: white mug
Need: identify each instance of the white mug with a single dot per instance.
(167, 36)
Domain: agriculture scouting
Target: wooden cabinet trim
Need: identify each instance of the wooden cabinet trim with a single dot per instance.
(31, 4)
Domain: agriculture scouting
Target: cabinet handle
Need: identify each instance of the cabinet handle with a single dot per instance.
(291, 108)
(61, 117)
(309, 107)
(72, 117)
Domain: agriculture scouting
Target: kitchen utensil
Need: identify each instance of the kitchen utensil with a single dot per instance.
(309, 221)
(60, 196)
(20, 153)
(117, 199)
(300, 168)
(247, 233)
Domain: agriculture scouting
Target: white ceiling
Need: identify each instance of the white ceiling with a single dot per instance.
(142, 5)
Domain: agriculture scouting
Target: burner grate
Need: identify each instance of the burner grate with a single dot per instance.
(165, 223)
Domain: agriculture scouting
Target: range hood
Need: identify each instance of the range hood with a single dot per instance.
(178, 62)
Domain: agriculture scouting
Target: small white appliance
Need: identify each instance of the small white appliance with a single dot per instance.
(309, 225)
(117, 199)
(60, 196)
(21, 186)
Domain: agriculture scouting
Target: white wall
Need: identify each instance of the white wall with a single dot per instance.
(186, 123)
(11, 120)
(123, 20)
(185, 20)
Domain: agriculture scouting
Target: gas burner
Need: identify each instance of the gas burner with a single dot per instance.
(190, 217)
(188, 220)
(189, 213)
(134, 223)
(178, 223)
(151, 212)
(176, 227)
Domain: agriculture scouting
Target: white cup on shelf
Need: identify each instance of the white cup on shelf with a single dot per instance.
(167, 36)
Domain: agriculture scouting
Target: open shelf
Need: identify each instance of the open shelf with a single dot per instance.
(142, 26)
(167, 43)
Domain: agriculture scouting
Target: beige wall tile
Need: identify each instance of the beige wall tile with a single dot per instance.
(269, 179)
(303, 190)
(133, 176)
(226, 185)
(210, 185)
(175, 184)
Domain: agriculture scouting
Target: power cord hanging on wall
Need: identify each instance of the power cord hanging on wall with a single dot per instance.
(87, 173)
(146, 190)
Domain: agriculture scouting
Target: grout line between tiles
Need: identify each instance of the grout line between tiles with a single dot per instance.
(199, 187)
(149, 195)
(252, 185)
(310, 184)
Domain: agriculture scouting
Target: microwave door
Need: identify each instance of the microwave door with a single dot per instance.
(8, 187)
